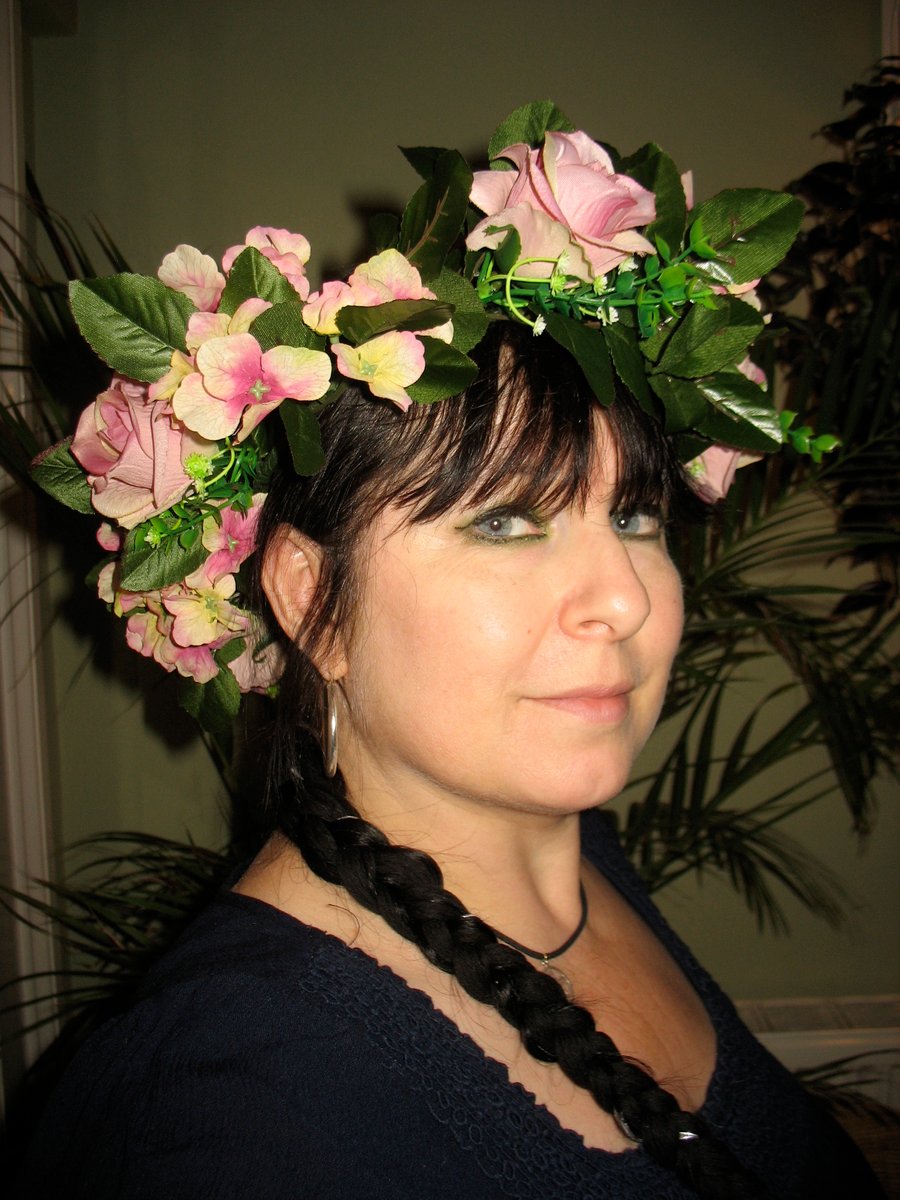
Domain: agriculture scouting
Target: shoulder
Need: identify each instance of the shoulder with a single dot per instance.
(230, 1055)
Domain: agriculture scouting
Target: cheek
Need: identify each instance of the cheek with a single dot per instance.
(670, 610)
(666, 622)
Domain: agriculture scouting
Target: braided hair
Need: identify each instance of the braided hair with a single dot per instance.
(427, 461)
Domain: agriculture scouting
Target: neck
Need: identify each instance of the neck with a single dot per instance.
(517, 870)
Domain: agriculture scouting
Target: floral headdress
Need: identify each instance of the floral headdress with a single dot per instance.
(606, 255)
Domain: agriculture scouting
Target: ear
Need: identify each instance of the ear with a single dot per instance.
(290, 576)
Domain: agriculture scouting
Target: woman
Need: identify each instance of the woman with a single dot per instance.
(402, 994)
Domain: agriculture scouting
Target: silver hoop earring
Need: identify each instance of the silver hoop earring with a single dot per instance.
(330, 729)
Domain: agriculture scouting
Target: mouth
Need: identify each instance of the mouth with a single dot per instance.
(597, 705)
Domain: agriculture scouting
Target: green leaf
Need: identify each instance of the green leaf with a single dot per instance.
(132, 322)
(423, 159)
(707, 339)
(360, 324)
(62, 477)
(589, 349)
(231, 650)
(469, 318)
(447, 373)
(654, 170)
(750, 229)
(436, 214)
(621, 342)
(215, 704)
(683, 401)
(527, 124)
(652, 347)
(741, 414)
(147, 568)
(252, 275)
(384, 231)
(509, 251)
(304, 437)
(283, 325)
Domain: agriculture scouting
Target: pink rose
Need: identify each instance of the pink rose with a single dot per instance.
(133, 450)
(565, 197)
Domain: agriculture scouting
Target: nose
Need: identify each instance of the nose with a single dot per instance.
(605, 595)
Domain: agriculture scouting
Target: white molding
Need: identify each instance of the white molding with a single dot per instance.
(25, 802)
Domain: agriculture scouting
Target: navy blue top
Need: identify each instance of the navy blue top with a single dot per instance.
(266, 1060)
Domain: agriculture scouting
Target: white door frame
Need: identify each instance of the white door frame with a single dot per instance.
(26, 842)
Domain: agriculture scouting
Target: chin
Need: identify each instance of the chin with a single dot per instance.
(565, 795)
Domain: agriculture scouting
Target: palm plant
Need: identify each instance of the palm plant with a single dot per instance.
(838, 361)
(838, 690)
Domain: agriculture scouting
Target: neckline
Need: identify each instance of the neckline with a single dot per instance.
(419, 1005)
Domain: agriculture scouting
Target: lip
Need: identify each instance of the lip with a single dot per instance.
(597, 705)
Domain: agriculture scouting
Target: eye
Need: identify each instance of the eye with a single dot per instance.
(646, 524)
(505, 525)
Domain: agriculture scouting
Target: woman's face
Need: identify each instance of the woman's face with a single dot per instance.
(498, 658)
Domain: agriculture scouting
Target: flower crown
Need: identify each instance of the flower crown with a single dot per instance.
(606, 255)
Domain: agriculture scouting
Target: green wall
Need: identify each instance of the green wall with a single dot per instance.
(186, 120)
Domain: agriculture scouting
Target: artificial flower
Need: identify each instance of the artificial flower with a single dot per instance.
(569, 182)
(321, 310)
(195, 274)
(287, 251)
(384, 277)
(237, 384)
(203, 610)
(258, 668)
(180, 366)
(387, 364)
(133, 449)
(231, 539)
(204, 326)
(110, 539)
(712, 473)
(149, 633)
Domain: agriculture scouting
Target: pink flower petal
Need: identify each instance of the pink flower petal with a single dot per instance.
(205, 414)
(196, 275)
(387, 364)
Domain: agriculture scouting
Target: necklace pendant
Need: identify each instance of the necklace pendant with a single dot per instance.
(560, 976)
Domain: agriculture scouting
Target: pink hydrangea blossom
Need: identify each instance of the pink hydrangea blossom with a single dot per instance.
(712, 472)
(232, 539)
(387, 364)
(172, 638)
(257, 669)
(287, 251)
(149, 632)
(384, 277)
(237, 384)
(202, 326)
(320, 312)
(569, 182)
(195, 274)
(180, 366)
(203, 610)
(134, 449)
(106, 583)
(751, 371)
(110, 539)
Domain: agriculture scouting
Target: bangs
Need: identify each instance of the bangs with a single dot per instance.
(525, 433)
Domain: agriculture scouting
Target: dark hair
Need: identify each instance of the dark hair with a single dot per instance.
(526, 432)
